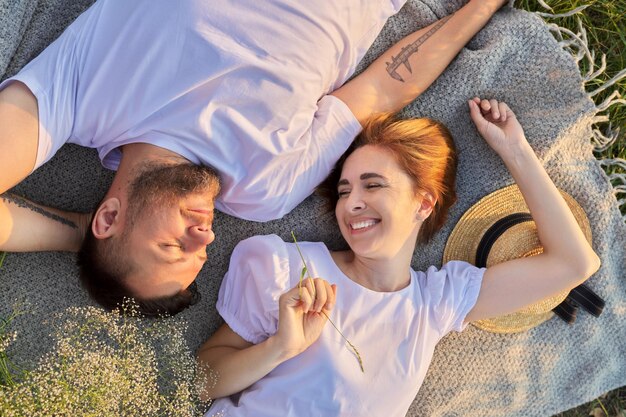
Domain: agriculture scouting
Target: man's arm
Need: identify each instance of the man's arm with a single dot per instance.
(25, 226)
(409, 67)
(29, 227)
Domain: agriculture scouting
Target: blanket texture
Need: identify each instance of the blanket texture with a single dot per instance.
(515, 58)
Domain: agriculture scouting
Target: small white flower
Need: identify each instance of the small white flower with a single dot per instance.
(110, 364)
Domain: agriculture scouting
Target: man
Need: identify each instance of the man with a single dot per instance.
(241, 105)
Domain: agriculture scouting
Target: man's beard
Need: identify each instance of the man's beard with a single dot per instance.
(158, 185)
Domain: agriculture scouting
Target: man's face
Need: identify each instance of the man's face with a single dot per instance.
(168, 226)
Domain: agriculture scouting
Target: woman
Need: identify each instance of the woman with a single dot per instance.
(393, 187)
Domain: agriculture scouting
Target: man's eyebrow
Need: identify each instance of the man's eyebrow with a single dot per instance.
(202, 256)
(160, 255)
(364, 176)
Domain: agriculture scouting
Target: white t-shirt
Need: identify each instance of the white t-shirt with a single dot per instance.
(395, 333)
(238, 85)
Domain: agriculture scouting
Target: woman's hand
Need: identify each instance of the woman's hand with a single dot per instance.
(567, 259)
(303, 312)
(497, 123)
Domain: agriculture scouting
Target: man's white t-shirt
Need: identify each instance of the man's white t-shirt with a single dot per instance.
(394, 332)
(241, 86)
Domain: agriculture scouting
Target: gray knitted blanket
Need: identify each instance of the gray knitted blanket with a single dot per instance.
(474, 374)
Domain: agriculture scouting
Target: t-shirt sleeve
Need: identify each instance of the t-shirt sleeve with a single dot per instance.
(50, 78)
(332, 130)
(450, 293)
(257, 275)
(285, 179)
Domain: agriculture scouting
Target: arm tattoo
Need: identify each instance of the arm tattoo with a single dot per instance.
(403, 57)
(23, 203)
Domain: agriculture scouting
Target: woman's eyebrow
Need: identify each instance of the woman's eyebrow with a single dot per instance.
(364, 176)
(369, 175)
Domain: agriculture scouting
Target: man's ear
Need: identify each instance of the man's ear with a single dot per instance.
(425, 207)
(107, 220)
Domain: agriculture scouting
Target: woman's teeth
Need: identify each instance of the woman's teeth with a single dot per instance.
(363, 224)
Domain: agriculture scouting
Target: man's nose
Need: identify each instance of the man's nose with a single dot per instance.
(199, 236)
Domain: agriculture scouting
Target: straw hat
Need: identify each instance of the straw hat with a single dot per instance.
(499, 228)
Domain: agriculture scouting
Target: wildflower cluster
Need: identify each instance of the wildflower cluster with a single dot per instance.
(110, 364)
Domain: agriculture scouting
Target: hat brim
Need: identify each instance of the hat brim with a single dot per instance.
(518, 241)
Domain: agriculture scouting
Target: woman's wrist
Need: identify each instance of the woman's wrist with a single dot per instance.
(519, 157)
(281, 353)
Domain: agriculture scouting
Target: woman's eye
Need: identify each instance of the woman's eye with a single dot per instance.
(343, 193)
(373, 185)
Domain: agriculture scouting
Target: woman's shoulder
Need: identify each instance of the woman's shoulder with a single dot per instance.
(451, 275)
(275, 247)
(450, 268)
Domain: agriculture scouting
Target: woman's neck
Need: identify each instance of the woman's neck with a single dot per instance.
(381, 275)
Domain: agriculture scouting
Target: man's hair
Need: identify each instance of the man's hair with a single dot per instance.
(103, 269)
(423, 148)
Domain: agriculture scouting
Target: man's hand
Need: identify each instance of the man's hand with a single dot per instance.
(303, 312)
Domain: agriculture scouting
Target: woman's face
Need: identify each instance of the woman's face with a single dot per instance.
(377, 209)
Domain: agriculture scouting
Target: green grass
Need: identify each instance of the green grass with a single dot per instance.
(605, 24)
(606, 32)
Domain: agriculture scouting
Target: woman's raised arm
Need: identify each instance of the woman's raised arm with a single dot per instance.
(567, 258)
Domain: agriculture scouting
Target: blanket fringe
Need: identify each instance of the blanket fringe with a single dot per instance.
(578, 46)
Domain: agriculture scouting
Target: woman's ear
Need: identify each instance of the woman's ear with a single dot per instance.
(425, 206)
(106, 221)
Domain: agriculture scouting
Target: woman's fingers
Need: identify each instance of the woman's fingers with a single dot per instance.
(320, 294)
(317, 294)
(306, 298)
(485, 106)
(503, 111)
(331, 291)
(495, 111)
(476, 114)
(492, 110)
(509, 112)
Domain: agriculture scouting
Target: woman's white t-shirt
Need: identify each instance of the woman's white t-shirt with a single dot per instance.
(395, 333)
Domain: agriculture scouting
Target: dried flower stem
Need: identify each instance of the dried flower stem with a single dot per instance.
(305, 271)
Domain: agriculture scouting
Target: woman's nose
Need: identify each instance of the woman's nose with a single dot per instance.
(355, 202)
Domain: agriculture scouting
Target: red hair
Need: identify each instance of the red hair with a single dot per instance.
(423, 148)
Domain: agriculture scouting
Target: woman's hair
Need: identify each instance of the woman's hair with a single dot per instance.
(423, 148)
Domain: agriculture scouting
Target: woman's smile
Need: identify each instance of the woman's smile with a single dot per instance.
(358, 226)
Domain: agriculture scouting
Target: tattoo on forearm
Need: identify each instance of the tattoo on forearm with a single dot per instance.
(403, 57)
(23, 203)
